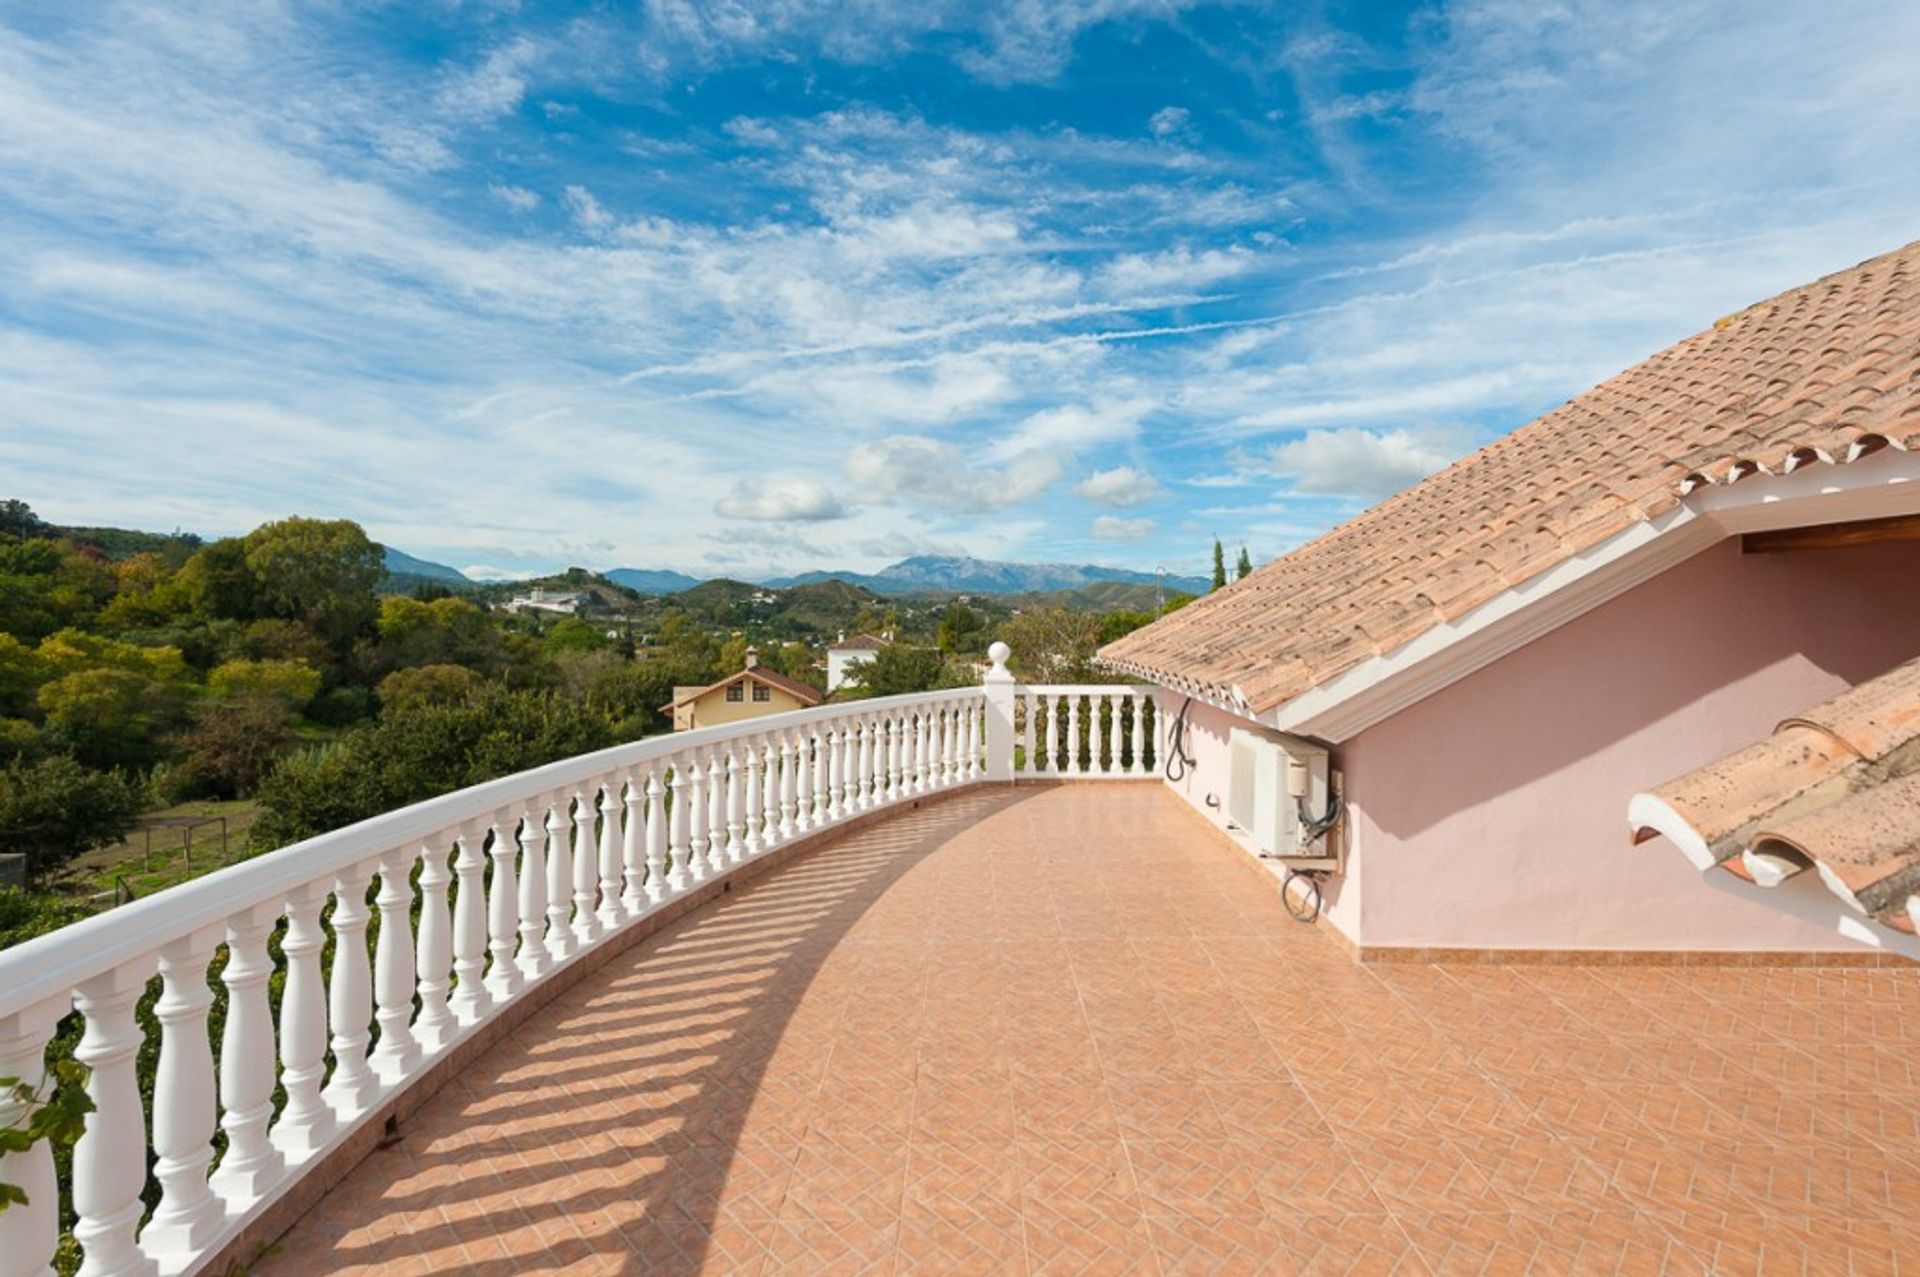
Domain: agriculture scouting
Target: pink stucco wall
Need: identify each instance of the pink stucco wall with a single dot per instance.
(1493, 813)
(1204, 784)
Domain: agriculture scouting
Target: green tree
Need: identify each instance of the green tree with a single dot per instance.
(1244, 566)
(1053, 645)
(421, 751)
(21, 672)
(1219, 564)
(55, 809)
(427, 685)
(232, 744)
(959, 629)
(574, 634)
(443, 631)
(217, 583)
(17, 520)
(289, 684)
(900, 669)
(320, 571)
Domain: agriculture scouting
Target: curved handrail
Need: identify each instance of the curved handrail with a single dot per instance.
(51, 964)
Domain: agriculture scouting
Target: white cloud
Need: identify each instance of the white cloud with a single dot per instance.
(1122, 487)
(1359, 463)
(1110, 527)
(780, 498)
(1170, 121)
(517, 198)
(939, 475)
(587, 210)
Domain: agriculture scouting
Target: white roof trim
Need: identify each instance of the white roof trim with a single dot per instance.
(1878, 485)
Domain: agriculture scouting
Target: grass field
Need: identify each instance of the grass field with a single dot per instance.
(97, 872)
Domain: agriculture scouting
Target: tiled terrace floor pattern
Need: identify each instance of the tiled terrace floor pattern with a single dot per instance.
(1057, 1030)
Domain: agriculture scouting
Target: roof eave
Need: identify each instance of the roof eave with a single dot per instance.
(1875, 485)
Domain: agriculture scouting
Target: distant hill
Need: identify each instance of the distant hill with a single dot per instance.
(400, 563)
(929, 573)
(651, 581)
(1101, 596)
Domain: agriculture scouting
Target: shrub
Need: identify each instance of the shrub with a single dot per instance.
(419, 751)
(232, 745)
(290, 684)
(55, 809)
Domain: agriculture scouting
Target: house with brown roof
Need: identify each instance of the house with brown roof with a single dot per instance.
(1717, 547)
(753, 692)
(847, 652)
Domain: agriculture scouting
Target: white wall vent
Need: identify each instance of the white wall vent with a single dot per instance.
(1272, 777)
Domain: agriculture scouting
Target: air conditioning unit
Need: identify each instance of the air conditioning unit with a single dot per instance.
(1273, 780)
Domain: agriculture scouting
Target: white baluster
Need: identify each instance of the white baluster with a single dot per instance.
(610, 884)
(769, 791)
(1114, 764)
(780, 766)
(657, 888)
(897, 766)
(697, 838)
(533, 959)
(926, 775)
(1139, 736)
(350, 996)
(559, 937)
(470, 999)
(716, 814)
(29, 1233)
(834, 742)
(306, 1121)
(1032, 705)
(503, 906)
(1074, 765)
(754, 808)
(184, 1105)
(821, 791)
(393, 973)
(586, 880)
(803, 782)
(633, 847)
(860, 752)
(434, 1027)
(679, 824)
(251, 1163)
(110, 1162)
(910, 755)
(736, 808)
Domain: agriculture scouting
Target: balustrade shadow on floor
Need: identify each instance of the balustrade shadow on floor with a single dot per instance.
(1059, 1029)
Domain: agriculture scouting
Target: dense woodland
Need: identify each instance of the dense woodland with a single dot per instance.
(287, 666)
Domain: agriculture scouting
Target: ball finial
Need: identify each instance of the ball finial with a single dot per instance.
(998, 653)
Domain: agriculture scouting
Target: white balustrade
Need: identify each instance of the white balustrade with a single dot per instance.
(516, 879)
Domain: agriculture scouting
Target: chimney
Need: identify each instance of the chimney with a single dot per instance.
(753, 657)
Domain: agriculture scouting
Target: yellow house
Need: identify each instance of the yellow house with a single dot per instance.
(753, 692)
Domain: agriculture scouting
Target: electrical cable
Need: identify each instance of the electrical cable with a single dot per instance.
(1311, 878)
(1179, 762)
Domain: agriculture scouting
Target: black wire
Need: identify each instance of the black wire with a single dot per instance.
(1179, 762)
(1302, 914)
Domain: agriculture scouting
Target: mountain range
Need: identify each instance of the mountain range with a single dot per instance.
(921, 574)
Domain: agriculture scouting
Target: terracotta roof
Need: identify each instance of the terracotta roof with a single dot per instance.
(1835, 789)
(760, 673)
(1827, 372)
(860, 643)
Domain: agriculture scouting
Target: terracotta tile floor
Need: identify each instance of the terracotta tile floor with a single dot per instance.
(1058, 1030)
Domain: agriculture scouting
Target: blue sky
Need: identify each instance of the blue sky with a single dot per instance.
(745, 287)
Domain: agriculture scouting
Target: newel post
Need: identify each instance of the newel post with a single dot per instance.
(1000, 685)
